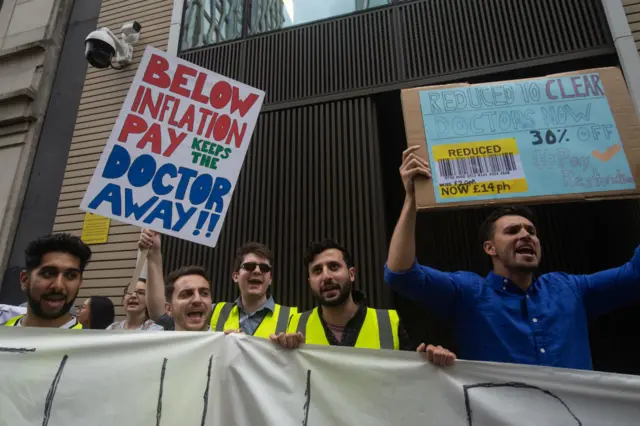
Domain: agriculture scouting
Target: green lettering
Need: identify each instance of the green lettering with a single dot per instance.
(205, 160)
(196, 155)
(205, 146)
(227, 151)
(196, 144)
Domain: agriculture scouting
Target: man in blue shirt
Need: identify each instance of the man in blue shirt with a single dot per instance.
(511, 315)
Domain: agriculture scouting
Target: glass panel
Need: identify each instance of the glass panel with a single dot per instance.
(268, 15)
(211, 21)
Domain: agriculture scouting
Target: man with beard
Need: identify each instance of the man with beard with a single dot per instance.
(53, 276)
(511, 315)
(342, 317)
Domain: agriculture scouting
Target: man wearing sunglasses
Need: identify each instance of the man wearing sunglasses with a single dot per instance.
(254, 312)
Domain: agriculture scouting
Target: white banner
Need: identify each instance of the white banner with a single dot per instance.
(89, 377)
(173, 157)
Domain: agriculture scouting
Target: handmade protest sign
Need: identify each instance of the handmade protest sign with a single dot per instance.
(559, 137)
(93, 377)
(173, 158)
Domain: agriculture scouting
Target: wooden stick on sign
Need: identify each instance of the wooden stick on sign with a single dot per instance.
(142, 258)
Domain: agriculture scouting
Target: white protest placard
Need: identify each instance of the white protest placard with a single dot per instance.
(173, 157)
(129, 378)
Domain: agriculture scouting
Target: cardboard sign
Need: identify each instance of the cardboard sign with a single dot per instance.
(557, 138)
(174, 155)
(92, 377)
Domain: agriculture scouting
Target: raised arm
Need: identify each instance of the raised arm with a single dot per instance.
(611, 289)
(155, 279)
(402, 250)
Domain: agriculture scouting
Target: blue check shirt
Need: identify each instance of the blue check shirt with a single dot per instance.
(494, 320)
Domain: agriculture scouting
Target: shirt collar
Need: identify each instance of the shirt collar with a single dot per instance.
(499, 282)
(269, 304)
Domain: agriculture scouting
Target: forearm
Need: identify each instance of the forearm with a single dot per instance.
(155, 285)
(402, 249)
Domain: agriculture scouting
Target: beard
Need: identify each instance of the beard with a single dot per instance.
(36, 307)
(345, 291)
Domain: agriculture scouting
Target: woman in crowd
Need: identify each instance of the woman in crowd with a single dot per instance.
(135, 305)
(96, 313)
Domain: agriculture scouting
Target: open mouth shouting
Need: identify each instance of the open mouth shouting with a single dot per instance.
(255, 282)
(330, 291)
(526, 251)
(53, 302)
(195, 315)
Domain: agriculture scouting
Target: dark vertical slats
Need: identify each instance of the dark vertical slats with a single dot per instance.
(310, 172)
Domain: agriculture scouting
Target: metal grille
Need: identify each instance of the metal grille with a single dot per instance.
(310, 173)
(408, 43)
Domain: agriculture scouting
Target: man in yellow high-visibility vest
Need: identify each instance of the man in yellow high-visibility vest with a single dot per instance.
(254, 312)
(342, 317)
(51, 281)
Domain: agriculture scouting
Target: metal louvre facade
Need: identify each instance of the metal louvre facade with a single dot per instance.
(416, 42)
(324, 159)
(302, 180)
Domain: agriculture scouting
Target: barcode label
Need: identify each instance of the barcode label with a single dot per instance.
(475, 166)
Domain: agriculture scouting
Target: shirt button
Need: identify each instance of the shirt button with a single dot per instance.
(527, 296)
(506, 281)
(542, 350)
(535, 320)
(504, 288)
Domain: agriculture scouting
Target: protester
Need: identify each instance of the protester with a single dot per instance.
(188, 294)
(512, 315)
(255, 312)
(135, 306)
(97, 313)
(342, 317)
(53, 276)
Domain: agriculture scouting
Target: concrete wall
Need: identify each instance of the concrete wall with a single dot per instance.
(31, 35)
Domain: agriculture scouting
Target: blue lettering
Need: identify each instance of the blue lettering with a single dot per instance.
(221, 187)
(186, 176)
(131, 208)
(163, 212)
(158, 186)
(142, 170)
(183, 217)
(110, 194)
(117, 163)
(200, 189)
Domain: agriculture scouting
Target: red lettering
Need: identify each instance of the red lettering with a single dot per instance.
(212, 123)
(187, 118)
(243, 105)
(548, 89)
(576, 87)
(149, 105)
(180, 80)
(153, 136)
(197, 94)
(169, 101)
(156, 72)
(137, 99)
(174, 111)
(562, 92)
(132, 125)
(236, 133)
(588, 88)
(175, 139)
(221, 128)
(595, 80)
(220, 94)
(204, 113)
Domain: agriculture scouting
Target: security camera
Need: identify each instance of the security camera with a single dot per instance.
(101, 45)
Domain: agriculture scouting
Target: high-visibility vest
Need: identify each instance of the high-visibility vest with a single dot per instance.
(14, 322)
(226, 316)
(379, 329)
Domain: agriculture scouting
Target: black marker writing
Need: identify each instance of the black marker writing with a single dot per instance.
(206, 392)
(17, 350)
(159, 412)
(308, 400)
(52, 391)
(467, 403)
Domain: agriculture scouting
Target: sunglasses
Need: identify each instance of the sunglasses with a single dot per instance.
(251, 266)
